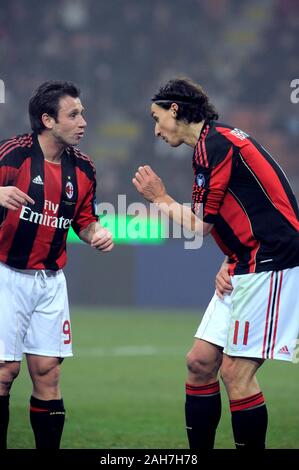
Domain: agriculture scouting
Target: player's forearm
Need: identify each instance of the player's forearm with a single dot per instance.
(87, 233)
(97, 237)
(182, 215)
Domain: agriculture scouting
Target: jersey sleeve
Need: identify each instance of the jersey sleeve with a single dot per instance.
(3, 176)
(86, 213)
(10, 156)
(212, 177)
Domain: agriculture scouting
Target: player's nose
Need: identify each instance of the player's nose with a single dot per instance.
(157, 130)
(83, 123)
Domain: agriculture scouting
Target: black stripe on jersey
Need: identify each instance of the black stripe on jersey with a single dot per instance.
(217, 147)
(21, 248)
(230, 240)
(272, 315)
(86, 167)
(213, 142)
(3, 214)
(15, 157)
(15, 150)
(281, 175)
(67, 208)
(245, 186)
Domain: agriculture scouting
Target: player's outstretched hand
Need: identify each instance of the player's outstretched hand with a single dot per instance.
(223, 281)
(148, 183)
(102, 240)
(13, 198)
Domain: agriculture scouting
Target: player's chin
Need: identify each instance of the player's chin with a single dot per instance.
(74, 140)
(174, 143)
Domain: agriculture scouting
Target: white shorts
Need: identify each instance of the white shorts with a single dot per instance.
(260, 318)
(34, 314)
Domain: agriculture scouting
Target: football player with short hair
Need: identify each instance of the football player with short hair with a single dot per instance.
(47, 185)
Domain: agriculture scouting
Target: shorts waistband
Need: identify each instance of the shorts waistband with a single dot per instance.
(32, 272)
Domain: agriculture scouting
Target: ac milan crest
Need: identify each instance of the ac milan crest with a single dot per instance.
(69, 189)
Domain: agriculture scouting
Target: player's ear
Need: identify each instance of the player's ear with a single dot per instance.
(174, 109)
(47, 121)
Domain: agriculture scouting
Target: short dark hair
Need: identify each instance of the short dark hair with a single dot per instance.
(194, 104)
(46, 100)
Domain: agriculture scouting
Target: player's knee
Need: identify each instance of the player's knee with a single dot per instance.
(239, 376)
(232, 376)
(227, 375)
(8, 373)
(199, 366)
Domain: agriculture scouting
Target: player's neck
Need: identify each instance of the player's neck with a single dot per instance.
(51, 149)
(192, 133)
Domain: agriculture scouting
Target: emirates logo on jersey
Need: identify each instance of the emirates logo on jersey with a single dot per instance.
(69, 189)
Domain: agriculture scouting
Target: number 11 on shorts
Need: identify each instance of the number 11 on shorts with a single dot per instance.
(236, 332)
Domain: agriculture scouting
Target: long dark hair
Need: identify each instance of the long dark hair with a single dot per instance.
(193, 102)
(46, 100)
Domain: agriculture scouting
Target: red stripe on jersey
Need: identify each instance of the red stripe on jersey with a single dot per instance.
(219, 179)
(233, 138)
(85, 157)
(226, 251)
(45, 233)
(198, 159)
(13, 143)
(200, 156)
(8, 142)
(267, 315)
(10, 224)
(265, 173)
(7, 174)
(8, 149)
(232, 268)
(205, 158)
(235, 216)
(85, 188)
(276, 316)
(24, 140)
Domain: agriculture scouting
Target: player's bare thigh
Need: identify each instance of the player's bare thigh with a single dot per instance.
(203, 362)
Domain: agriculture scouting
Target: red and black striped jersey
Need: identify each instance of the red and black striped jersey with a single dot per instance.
(34, 236)
(246, 195)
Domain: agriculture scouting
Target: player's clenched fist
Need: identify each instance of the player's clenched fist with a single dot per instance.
(223, 281)
(102, 240)
(148, 183)
(13, 198)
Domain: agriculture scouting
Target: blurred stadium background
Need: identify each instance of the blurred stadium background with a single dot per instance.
(135, 310)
